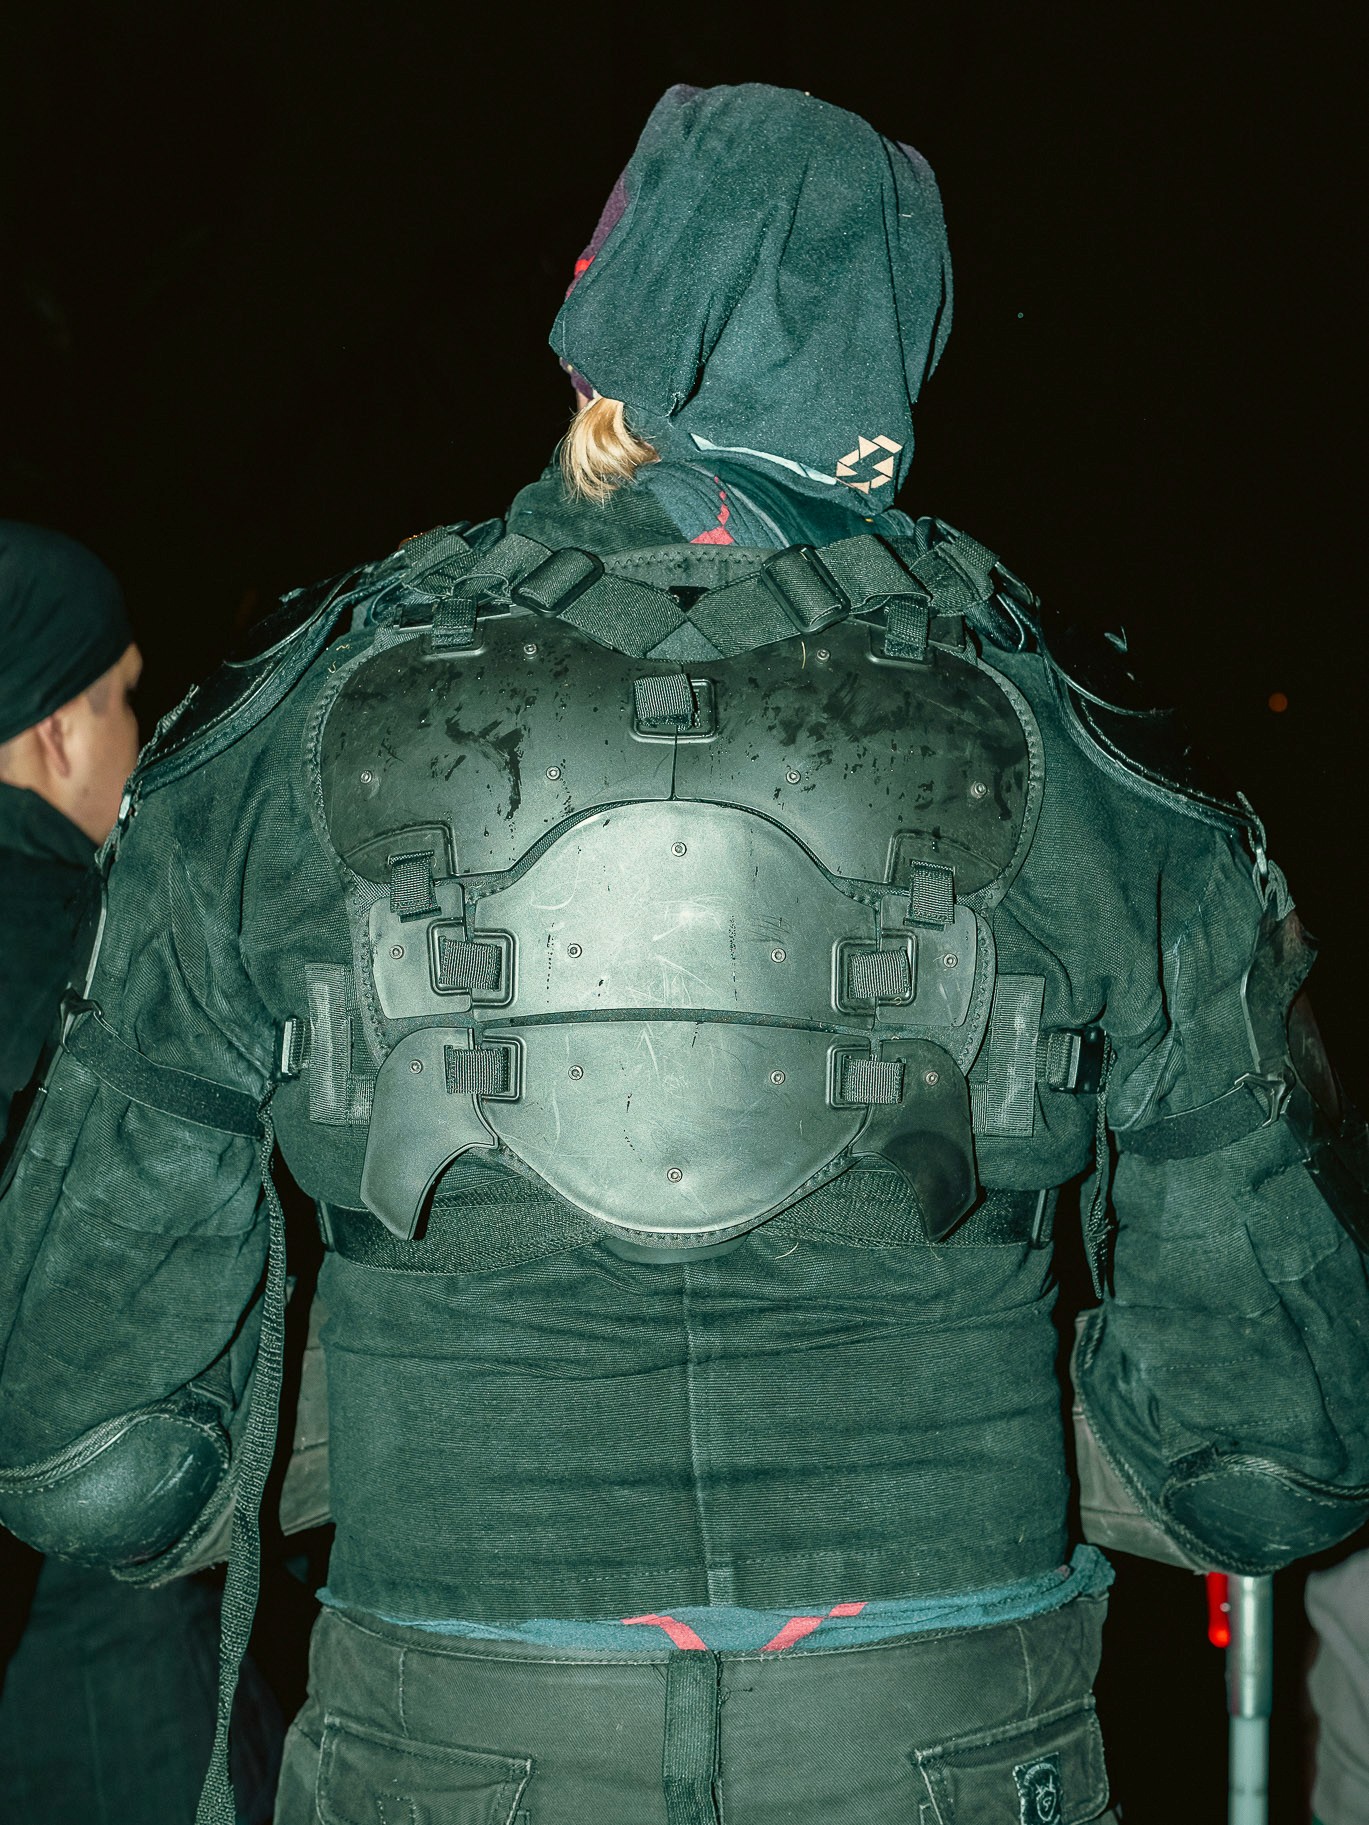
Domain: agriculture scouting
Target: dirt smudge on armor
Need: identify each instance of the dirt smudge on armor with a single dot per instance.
(508, 744)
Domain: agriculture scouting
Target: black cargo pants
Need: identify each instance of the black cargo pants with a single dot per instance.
(991, 1726)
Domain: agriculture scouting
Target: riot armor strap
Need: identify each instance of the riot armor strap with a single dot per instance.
(96, 1046)
(464, 1241)
(798, 590)
(1252, 1102)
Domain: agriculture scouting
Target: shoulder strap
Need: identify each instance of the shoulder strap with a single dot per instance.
(632, 602)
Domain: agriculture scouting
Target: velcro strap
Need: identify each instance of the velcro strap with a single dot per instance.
(180, 1093)
(957, 573)
(907, 623)
(484, 1071)
(629, 617)
(865, 570)
(1203, 1130)
(871, 1080)
(553, 585)
(808, 593)
(411, 885)
(454, 619)
(664, 704)
(882, 975)
(463, 964)
(931, 894)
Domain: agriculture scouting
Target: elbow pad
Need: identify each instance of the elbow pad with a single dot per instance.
(1250, 1515)
(127, 1491)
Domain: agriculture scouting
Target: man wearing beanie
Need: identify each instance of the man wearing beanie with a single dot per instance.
(68, 741)
(689, 936)
(106, 1692)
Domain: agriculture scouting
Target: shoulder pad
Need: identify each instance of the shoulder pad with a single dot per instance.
(261, 668)
(1111, 713)
(1109, 710)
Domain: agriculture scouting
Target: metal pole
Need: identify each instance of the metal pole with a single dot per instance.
(1250, 1697)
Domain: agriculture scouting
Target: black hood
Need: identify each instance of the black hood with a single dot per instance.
(769, 281)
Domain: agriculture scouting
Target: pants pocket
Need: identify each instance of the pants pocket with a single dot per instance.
(368, 1778)
(1046, 1772)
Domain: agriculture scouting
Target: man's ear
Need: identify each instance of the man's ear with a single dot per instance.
(54, 734)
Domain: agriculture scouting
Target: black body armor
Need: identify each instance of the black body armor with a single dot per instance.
(686, 937)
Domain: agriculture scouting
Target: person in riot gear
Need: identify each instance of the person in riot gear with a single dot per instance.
(80, 1739)
(684, 936)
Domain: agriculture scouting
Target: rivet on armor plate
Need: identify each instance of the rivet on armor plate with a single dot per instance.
(674, 1174)
(950, 960)
(366, 778)
(777, 955)
(575, 1073)
(677, 848)
(979, 789)
(415, 1064)
(777, 1077)
(553, 773)
(931, 1077)
(530, 648)
(793, 777)
(573, 950)
(396, 951)
(822, 653)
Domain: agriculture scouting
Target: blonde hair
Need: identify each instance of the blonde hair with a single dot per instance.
(599, 453)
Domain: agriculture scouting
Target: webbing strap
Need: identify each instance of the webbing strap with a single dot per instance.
(871, 1080)
(484, 1071)
(664, 703)
(411, 885)
(907, 625)
(800, 589)
(454, 620)
(931, 894)
(180, 1093)
(882, 975)
(689, 1753)
(216, 1804)
(463, 964)
(1203, 1130)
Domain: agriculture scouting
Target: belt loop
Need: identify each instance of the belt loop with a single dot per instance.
(689, 1757)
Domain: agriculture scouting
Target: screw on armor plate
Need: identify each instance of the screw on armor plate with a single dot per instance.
(575, 1073)
(931, 1077)
(678, 848)
(574, 950)
(979, 789)
(553, 773)
(822, 653)
(366, 778)
(950, 960)
(530, 648)
(674, 1174)
(777, 1077)
(415, 1064)
(777, 955)
(793, 777)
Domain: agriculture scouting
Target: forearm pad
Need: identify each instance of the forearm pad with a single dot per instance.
(1217, 1507)
(126, 1492)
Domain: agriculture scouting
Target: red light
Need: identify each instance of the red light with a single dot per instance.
(1278, 702)
(1218, 1610)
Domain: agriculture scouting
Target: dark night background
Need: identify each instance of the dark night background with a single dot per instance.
(275, 283)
